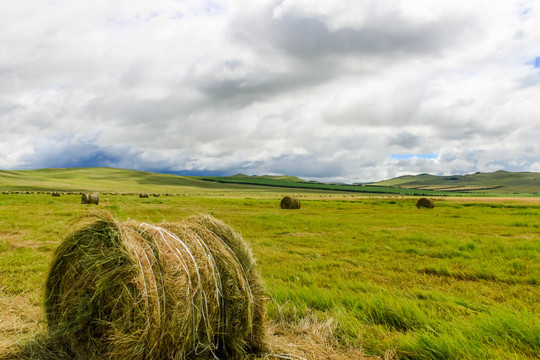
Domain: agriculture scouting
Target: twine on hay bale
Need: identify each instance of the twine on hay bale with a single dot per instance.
(425, 202)
(90, 199)
(169, 291)
(290, 202)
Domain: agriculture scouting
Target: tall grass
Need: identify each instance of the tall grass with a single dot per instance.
(460, 281)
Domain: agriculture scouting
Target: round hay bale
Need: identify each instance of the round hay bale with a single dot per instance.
(169, 291)
(143, 195)
(55, 193)
(425, 203)
(290, 202)
(90, 199)
(94, 199)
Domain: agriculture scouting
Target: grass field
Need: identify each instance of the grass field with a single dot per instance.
(461, 281)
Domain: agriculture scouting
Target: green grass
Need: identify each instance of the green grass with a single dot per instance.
(461, 281)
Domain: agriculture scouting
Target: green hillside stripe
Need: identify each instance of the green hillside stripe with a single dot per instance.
(103, 179)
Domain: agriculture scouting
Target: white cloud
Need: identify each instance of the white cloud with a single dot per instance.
(320, 89)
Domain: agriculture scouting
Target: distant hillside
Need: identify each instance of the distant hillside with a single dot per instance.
(266, 177)
(500, 182)
(102, 179)
(285, 181)
(120, 180)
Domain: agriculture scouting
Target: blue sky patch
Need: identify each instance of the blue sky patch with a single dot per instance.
(537, 62)
(410, 156)
(524, 11)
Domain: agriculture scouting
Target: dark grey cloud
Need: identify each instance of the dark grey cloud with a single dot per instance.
(65, 150)
(133, 110)
(310, 38)
(7, 107)
(255, 83)
(405, 140)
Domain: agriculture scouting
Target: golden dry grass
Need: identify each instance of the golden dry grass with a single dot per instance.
(310, 339)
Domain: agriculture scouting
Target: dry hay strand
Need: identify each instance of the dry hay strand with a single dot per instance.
(19, 316)
(290, 202)
(90, 199)
(425, 202)
(309, 339)
(139, 291)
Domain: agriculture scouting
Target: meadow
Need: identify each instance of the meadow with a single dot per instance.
(460, 281)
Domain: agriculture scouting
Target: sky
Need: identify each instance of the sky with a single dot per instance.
(342, 90)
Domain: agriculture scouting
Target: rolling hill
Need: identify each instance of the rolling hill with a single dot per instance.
(102, 179)
(500, 182)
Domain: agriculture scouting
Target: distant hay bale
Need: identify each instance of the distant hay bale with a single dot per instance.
(143, 195)
(94, 199)
(155, 195)
(55, 193)
(426, 203)
(290, 202)
(5, 192)
(169, 291)
(90, 199)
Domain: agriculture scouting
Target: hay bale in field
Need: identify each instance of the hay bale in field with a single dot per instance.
(155, 195)
(94, 199)
(139, 291)
(55, 193)
(425, 202)
(90, 199)
(143, 195)
(5, 192)
(290, 202)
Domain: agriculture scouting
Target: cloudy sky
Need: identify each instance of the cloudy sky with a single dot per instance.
(346, 90)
